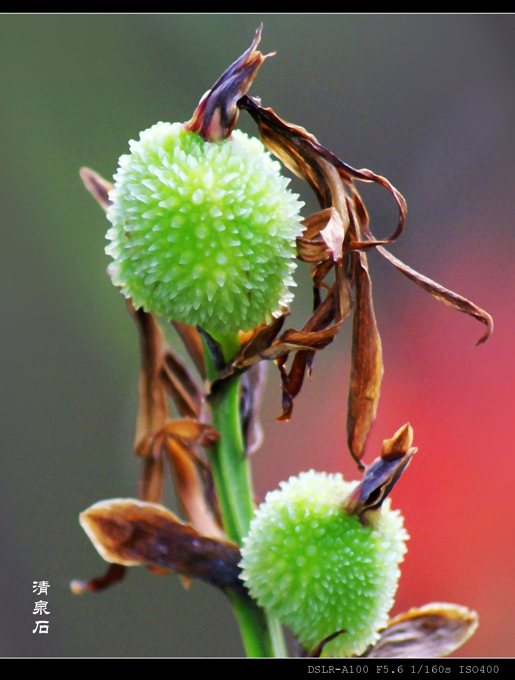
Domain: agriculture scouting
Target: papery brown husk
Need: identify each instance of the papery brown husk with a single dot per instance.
(435, 630)
(130, 532)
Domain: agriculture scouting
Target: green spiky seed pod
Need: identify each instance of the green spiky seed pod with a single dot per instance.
(319, 569)
(203, 232)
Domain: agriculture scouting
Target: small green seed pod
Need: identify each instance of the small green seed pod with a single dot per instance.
(320, 570)
(203, 232)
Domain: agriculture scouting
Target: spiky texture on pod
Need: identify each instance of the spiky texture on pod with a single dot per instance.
(203, 232)
(318, 569)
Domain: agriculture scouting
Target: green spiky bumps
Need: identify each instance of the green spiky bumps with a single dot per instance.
(318, 569)
(203, 232)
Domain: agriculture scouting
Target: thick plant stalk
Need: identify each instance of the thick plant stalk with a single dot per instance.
(262, 635)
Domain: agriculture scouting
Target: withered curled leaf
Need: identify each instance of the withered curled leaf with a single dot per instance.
(445, 295)
(366, 363)
(431, 631)
(306, 157)
(331, 236)
(131, 532)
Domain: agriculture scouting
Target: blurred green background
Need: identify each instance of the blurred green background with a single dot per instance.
(427, 101)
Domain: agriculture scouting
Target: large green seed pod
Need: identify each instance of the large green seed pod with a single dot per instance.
(318, 568)
(203, 232)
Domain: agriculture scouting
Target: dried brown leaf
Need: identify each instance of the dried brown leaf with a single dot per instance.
(158, 437)
(152, 414)
(131, 532)
(348, 174)
(302, 153)
(294, 146)
(431, 631)
(114, 574)
(177, 441)
(310, 340)
(191, 432)
(97, 186)
(292, 380)
(259, 343)
(251, 353)
(316, 223)
(443, 294)
(327, 175)
(153, 411)
(318, 273)
(191, 339)
(292, 341)
(366, 363)
(323, 237)
(334, 235)
(438, 291)
(181, 385)
(312, 252)
(343, 298)
(322, 243)
(150, 486)
(191, 487)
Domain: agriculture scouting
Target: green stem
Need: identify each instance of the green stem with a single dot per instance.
(262, 635)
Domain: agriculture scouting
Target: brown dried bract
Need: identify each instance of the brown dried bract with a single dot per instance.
(435, 630)
(216, 115)
(97, 186)
(381, 476)
(132, 532)
(400, 444)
